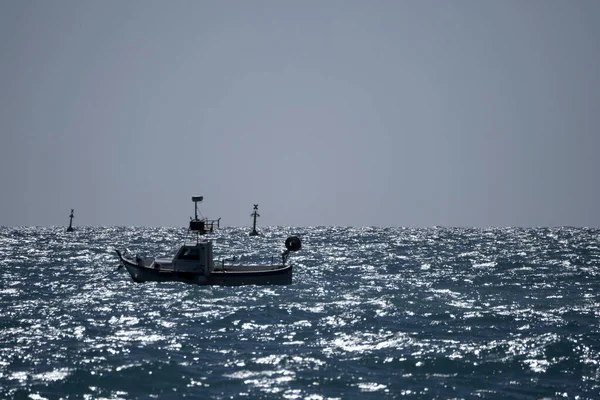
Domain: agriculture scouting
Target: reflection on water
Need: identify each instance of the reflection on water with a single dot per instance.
(372, 313)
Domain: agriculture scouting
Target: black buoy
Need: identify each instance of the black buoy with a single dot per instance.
(70, 228)
(293, 243)
(254, 214)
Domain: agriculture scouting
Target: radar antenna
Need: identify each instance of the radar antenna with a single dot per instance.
(196, 224)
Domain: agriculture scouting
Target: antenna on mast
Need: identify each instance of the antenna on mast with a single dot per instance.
(197, 225)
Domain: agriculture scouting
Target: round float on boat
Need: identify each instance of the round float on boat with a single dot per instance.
(293, 243)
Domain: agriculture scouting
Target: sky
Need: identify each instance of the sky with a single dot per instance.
(324, 113)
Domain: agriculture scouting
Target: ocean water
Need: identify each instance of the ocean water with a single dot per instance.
(373, 313)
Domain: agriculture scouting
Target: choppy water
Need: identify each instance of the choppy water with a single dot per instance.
(372, 313)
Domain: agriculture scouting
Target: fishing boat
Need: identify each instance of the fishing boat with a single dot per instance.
(194, 263)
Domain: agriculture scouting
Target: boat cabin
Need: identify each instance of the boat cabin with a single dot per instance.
(195, 257)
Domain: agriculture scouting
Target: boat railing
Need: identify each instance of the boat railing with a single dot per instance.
(236, 262)
(212, 224)
(204, 225)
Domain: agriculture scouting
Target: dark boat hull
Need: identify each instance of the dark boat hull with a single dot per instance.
(279, 276)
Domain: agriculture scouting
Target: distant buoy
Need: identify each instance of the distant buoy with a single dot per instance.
(254, 214)
(70, 228)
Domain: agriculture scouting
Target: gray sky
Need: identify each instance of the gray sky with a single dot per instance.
(386, 113)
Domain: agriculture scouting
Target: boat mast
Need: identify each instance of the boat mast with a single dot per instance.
(197, 225)
(70, 228)
(254, 214)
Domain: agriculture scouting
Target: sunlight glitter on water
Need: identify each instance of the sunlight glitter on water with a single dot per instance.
(493, 311)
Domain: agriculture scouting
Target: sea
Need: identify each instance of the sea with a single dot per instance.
(372, 313)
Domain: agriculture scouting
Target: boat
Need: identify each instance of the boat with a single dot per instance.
(70, 228)
(194, 263)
